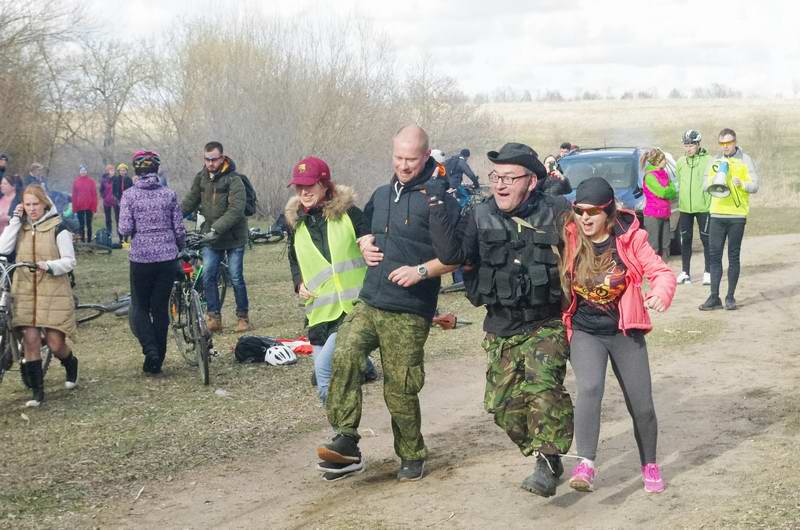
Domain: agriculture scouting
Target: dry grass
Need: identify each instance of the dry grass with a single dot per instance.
(766, 128)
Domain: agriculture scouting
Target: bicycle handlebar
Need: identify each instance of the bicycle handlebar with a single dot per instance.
(8, 268)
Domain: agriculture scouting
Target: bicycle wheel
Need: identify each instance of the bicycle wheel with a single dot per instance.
(267, 239)
(87, 312)
(6, 352)
(201, 337)
(181, 332)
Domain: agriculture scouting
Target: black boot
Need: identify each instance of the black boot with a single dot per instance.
(544, 479)
(23, 372)
(36, 379)
(70, 365)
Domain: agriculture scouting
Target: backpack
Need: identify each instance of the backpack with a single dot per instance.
(251, 200)
(253, 348)
(103, 237)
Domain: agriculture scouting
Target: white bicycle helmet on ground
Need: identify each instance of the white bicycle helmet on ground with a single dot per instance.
(279, 355)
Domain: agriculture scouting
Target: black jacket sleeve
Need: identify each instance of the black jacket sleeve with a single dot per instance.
(294, 266)
(468, 172)
(443, 227)
(359, 220)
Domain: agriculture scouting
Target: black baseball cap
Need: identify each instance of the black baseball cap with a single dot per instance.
(521, 155)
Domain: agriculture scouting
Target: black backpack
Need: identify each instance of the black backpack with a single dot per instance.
(251, 200)
(103, 237)
(253, 348)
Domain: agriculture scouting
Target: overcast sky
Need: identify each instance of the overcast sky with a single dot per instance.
(569, 45)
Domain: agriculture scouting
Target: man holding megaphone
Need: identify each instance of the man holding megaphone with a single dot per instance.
(730, 180)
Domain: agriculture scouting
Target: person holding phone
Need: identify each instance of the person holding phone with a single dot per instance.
(43, 306)
(555, 183)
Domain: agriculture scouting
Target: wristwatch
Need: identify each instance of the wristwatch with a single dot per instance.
(422, 270)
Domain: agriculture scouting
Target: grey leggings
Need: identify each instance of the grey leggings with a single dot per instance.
(589, 355)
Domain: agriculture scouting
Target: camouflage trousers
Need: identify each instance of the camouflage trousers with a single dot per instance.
(525, 388)
(401, 338)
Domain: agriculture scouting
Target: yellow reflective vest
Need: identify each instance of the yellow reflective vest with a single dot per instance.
(736, 204)
(335, 284)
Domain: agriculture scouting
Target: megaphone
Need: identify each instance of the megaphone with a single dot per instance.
(719, 186)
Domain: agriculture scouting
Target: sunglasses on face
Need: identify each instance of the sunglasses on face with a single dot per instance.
(727, 144)
(591, 210)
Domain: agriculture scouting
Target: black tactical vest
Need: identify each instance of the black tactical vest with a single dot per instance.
(518, 267)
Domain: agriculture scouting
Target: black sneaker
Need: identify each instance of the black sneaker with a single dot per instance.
(411, 470)
(342, 450)
(711, 304)
(340, 469)
(70, 365)
(730, 303)
(371, 376)
(152, 364)
(544, 479)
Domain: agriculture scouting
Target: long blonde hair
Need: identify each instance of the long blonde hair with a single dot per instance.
(582, 265)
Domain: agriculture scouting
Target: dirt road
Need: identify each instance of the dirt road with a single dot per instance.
(728, 406)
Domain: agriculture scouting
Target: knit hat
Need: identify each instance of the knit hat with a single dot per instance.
(121, 166)
(595, 191)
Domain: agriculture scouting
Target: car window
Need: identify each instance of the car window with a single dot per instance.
(618, 170)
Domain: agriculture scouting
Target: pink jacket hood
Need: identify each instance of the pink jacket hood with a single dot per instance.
(641, 261)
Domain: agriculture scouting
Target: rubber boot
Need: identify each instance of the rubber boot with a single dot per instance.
(70, 365)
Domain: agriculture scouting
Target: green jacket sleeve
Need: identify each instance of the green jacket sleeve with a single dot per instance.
(236, 203)
(192, 200)
(664, 192)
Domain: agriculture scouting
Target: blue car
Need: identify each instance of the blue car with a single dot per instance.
(620, 167)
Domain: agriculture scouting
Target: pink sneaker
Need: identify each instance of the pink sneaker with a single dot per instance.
(651, 475)
(583, 477)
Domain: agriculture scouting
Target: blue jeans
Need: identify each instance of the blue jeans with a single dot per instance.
(211, 259)
(323, 366)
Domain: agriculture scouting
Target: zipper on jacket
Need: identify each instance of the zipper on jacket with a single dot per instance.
(33, 274)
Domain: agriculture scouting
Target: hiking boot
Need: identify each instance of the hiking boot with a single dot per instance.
(152, 364)
(342, 450)
(583, 476)
(711, 304)
(70, 365)
(730, 303)
(651, 476)
(243, 324)
(332, 468)
(214, 322)
(706, 278)
(372, 374)
(544, 479)
(36, 379)
(684, 278)
(411, 470)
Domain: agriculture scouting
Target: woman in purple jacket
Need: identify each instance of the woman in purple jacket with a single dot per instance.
(150, 213)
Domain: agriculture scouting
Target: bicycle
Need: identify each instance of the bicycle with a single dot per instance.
(10, 341)
(86, 312)
(187, 318)
(258, 237)
(194, 242)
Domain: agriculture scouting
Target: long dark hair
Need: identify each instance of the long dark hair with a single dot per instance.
(585, 264)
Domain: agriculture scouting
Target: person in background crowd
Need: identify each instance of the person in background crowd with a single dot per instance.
(659, 190)
(119, 184)
(150, 215)
(555, 183)
(603, 265)
(324, 258)
(455, 168)
(35, 176)
(693, 203)
(42, 300)
(84, 202)
(509, 248)
(3, 163)
(729, 216)
(218, 194)
(564, 149)
(107, 196)
(8, 201)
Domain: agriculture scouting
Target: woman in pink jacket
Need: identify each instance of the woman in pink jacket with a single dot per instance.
(659, 190)
(84, 202)
(605, 260)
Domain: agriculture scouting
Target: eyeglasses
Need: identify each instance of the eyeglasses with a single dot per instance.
(727, 144)
(591, 210)
(508, 180)
(212, 158)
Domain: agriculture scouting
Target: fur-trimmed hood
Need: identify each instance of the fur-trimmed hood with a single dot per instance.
(343, 200)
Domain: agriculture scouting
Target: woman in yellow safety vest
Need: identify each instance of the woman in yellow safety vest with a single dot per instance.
(327, 267)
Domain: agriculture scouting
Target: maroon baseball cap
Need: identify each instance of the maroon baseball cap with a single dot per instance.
(309, 171)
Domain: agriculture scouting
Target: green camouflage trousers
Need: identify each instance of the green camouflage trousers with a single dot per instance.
(525, 388)
(401, 338)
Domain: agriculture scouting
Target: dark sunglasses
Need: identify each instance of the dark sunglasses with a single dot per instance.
(591, 210)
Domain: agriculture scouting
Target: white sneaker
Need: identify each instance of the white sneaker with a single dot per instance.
(706, 278)
(684, 278)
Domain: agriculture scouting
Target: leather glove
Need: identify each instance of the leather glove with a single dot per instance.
(435, 189)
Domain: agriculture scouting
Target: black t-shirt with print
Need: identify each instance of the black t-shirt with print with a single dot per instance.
(598, 303)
